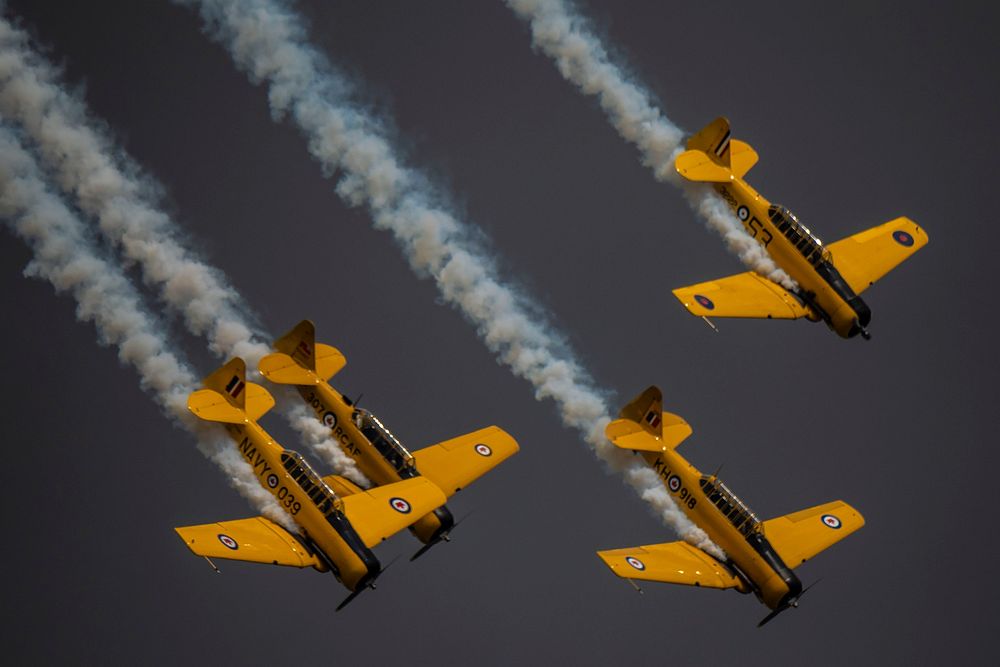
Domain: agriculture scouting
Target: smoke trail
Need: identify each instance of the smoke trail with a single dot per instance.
(68, 259)
(565, 37)
(107, 185)
(267, 40)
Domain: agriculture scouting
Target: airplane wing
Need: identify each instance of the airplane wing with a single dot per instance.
(456, 463)
(799, 536)
(867, 256)
(672, 563)
(383, 511)
(743, 295)
(256, 540)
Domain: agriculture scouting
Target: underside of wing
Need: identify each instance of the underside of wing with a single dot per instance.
(743, 295)
(383, 511)
(456, 463)
(671, 563)
(865, 257)
(799, 536)
(256, 540)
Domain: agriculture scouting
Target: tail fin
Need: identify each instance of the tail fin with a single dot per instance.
(228, 397)
(714, 156)
(300, 360)
(644, 426)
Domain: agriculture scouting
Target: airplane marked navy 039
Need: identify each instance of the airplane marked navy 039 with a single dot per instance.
(760, 554)
(451, 465)
(830, 277)
(336, 531)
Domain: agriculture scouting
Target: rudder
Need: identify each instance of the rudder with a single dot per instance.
(228, 397)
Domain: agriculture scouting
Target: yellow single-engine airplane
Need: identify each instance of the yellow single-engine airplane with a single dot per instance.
(335, 533)
(451, 465)
(760, 555)
(829, 278)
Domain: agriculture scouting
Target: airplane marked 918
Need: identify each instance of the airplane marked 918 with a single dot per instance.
(760, 555)
(830, 277)
(451, 465)
(333, 533)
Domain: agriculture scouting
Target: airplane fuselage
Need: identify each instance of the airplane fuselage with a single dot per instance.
(751, 557)
(381, 467)
(312, 505)
(822, 289)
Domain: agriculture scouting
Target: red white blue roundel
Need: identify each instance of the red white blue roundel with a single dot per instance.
(228, 542)
(902, 238)
(483, 450)
(674, 483)
(635, 562)
(704, 301)
(831, 521)
(400, 505)
(329, 419)
(742, 213)
(272, 480)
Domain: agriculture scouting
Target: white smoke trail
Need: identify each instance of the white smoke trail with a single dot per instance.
(69, 260)
(565, 37)
(108, 186)
(267, 40)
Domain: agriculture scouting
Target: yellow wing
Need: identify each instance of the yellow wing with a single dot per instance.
(671, 563)
(865, 257)
(799, 536)
(456, 463)
(743, 295)
(383, 511)
(256, 540)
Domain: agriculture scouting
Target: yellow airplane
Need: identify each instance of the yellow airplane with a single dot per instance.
(760, 555)
(335, 530)
(830, 277)
(451, 465)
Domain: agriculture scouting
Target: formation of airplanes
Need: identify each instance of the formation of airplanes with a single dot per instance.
(331, 524)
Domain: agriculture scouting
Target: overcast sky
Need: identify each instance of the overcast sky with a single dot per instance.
(860, 112)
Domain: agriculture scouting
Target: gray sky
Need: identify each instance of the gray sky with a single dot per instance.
(860, 112)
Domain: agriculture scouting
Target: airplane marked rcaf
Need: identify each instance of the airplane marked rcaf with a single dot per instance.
(830, 277)
(760, 555)
(451, 465)
(335, 531)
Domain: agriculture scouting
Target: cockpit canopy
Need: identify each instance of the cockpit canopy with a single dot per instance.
(299, 469)
(804, 241)
(383, 440)
(734, 509)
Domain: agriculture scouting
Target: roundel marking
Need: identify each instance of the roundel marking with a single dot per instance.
(399, 505)
(329, 419)
(743, 213)
(674, 483)
(228, 542)
(272, 480)
(483, 450)
(704, 301)
(902, 238)
(635, 562)
(831, 521)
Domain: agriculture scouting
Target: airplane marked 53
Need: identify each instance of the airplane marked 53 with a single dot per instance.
(830, 277)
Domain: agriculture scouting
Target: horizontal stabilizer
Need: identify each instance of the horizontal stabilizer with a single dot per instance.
(383, 511)
(799, 536)
(742, 295)
(280, 368)
(698, 166)
(671, 563)
(255, 540)
(627, 434)
(454, 464)
(867, 256)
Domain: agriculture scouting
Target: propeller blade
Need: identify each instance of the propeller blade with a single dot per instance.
(445, 537)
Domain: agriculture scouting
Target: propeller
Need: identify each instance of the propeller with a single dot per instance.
(794, 602)
(446, 537)
(371, 585)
